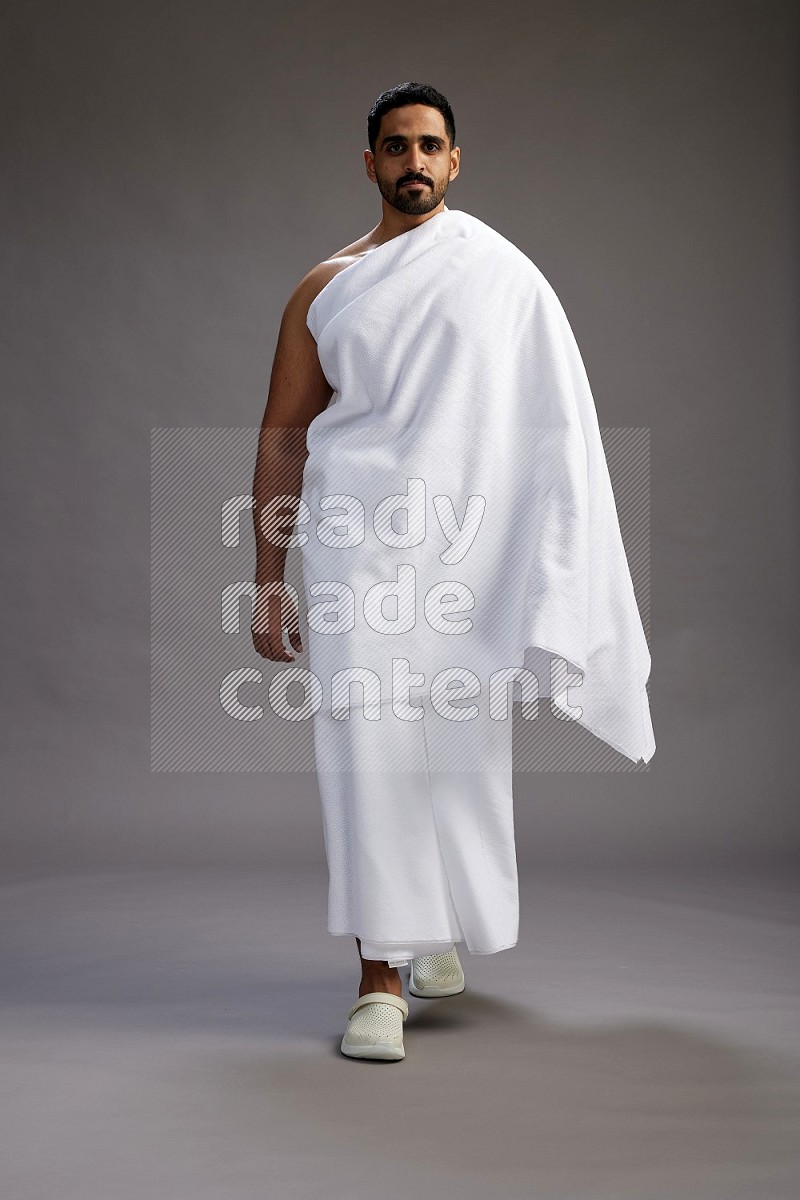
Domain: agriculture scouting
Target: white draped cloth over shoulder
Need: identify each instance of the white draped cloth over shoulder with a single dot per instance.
(460, 393)
(460, 541)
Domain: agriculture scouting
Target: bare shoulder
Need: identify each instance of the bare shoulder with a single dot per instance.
(319, 276)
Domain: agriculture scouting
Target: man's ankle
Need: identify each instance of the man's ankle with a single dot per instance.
(386, 979)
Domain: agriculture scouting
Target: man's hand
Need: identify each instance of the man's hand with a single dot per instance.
(275, 609)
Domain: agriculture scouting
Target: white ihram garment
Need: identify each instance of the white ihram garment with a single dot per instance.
(420, 856)
(460, 453)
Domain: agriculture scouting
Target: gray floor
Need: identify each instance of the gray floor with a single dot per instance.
(170, 1034)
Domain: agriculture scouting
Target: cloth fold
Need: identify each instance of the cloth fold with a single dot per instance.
(461, 529)
(419, 850)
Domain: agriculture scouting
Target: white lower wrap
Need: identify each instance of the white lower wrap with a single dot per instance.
(419, 858)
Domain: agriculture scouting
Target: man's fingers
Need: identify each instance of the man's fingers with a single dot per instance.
(269, 648)
(267, 628)
(263, 645)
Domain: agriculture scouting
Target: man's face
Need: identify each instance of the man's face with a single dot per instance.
(413, 163)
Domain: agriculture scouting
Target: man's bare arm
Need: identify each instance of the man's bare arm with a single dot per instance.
(298, 392)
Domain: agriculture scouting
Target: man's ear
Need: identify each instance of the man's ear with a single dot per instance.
(369, 163)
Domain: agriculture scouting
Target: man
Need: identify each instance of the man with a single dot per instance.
(459, 399)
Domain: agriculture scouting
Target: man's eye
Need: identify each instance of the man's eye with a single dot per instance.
(398, 146)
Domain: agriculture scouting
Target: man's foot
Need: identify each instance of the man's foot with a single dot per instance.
(434, 975)
(375, 1028)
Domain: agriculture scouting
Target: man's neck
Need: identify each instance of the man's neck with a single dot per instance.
(393, 223)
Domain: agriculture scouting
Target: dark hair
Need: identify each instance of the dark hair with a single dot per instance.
(409, 93)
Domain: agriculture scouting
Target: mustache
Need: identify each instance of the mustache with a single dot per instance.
(414, 179)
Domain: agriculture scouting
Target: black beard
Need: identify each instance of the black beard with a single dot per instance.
(412, 203)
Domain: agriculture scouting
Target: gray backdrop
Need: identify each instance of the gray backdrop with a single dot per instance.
(171, 171)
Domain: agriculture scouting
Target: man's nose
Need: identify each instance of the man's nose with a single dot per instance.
(414, 165)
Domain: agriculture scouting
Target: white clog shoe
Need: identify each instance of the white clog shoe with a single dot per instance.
(375, 1027)
(435, 975)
